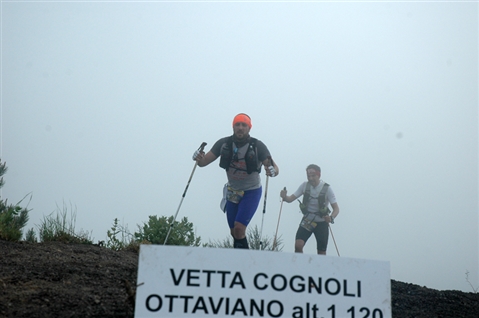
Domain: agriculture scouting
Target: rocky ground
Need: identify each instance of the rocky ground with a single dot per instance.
(77, 280)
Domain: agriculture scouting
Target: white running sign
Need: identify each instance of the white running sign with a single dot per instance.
(178, 281)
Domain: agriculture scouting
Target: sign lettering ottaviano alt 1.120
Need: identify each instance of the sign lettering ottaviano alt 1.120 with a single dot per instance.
(180, 281)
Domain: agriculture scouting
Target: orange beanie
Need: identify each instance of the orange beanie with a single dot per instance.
(242, 118)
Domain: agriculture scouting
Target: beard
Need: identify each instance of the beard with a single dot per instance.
(239, 141)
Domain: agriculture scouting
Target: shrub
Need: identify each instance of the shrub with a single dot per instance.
(125, 241)
(57, 228)
(30, 236)
(13, 218)
(156, 230)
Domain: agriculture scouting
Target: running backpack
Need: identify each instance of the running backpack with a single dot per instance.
(323, 209)
(251, 156)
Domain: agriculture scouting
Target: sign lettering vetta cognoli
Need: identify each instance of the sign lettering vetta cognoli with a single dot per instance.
(178, 281)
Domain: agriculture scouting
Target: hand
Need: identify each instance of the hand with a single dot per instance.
(328, 218)
(270, 171)
(283, 193)
(198, 154)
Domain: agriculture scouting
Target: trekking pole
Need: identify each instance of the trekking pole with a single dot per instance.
(262, 219)
(277, 226)
(264, 207)
(184, 193)
(333, 239)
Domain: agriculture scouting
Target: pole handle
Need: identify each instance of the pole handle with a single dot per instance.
(202, 147)
(280, 195)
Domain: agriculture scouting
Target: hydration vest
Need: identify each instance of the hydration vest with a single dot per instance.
(323, 209)
(251, 156)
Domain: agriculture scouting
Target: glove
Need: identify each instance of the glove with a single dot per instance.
(272, 171)
(197, 153)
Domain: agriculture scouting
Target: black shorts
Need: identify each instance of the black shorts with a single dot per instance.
(320, 232)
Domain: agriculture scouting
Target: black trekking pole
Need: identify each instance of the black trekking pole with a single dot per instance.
(184, 193)
(264, 207)
(277, 226)
(329, 225)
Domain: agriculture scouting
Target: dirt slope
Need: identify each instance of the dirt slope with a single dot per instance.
(75, 280)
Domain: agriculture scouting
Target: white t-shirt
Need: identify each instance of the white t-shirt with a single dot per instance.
(314, 193)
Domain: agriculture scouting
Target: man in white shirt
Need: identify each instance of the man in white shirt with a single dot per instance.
(318, 195)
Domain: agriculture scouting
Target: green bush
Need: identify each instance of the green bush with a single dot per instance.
(13, 218)
(156, 230)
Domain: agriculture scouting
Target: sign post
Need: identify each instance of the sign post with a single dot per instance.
(177, 281)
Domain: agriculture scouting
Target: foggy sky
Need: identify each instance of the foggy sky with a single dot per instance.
(103, 104)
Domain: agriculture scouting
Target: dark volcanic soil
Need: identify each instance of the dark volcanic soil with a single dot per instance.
(76, 280)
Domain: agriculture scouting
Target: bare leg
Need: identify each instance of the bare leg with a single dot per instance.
(239, 236)
(298, 246)
(239, 231)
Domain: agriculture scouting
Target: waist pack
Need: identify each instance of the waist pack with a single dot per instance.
(233, 195)
(230, 194)
(309, 222)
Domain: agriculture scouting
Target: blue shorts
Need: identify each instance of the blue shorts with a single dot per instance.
(243, 211)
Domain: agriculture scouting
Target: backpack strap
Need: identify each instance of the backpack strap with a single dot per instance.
(251, 155)
(306, 196)
(323, 209)
(227, 153)
(321, 199)
(322, 194)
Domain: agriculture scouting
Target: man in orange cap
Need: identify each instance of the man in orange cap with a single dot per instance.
(242, 157)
